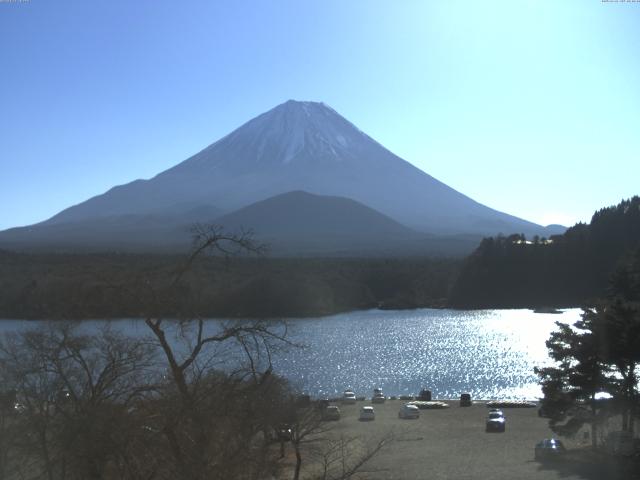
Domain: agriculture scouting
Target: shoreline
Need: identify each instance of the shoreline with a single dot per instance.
(302, 316)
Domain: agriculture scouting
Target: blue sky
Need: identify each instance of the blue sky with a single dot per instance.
(530, 107)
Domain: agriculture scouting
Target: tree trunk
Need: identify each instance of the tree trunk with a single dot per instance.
(632, 397)
(594, 425)
(296, 475)
(628, 398)
(3, 447)
(45, 453)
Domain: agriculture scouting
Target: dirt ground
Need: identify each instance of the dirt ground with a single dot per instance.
(452, 444)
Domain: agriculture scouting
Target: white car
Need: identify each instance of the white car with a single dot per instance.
(331, 412)
(495, 421)
(348, 397)
(367, 413)
(409, 411)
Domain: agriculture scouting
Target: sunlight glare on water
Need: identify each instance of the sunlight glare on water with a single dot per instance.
(488, 353)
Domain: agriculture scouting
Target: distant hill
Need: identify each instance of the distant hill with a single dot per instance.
(307, 223)
(567, 270)
(294, 223)
(304, 214)
(296, 146)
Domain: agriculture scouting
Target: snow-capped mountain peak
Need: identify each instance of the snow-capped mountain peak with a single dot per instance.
(302, 146)
(294, 132)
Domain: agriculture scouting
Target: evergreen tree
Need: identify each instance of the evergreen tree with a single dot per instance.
(599, 353)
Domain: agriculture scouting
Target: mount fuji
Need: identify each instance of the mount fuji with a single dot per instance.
(296, 146)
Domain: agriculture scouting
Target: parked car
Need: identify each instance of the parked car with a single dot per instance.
(465, 400)
(367, 413)
(378, 396)
(331, 412)
(409, 411)
(348, 397)
(495, 421)
(549, 449)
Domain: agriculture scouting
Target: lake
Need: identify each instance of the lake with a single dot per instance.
(488, 353)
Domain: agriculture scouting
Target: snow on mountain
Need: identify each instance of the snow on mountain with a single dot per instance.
(302, 146)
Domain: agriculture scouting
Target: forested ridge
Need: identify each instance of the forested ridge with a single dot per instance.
(563, 270)
(503, 272)
(68, 286)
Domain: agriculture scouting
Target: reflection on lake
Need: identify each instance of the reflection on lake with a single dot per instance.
(488, 353)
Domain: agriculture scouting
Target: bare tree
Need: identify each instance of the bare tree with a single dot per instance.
(8, 411)
(346, 457)
(307, 428)
(193, 400)
(211, 425)
(213, 432)
(330, 456)
(73, 394)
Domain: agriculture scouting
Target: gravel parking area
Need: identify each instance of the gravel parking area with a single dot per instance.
(452, 443)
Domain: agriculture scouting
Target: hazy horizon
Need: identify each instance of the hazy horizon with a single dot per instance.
(530, 108)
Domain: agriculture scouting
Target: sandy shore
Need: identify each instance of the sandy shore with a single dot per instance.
(452, 444)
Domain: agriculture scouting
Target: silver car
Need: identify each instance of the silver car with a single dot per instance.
(367, 413)
(409, 411)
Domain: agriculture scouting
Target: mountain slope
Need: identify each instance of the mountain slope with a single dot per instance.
(303, 146)
(300, 222)
(157, 231)
(302, 214)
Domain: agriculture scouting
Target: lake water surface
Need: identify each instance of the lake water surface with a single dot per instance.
(488, 353)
